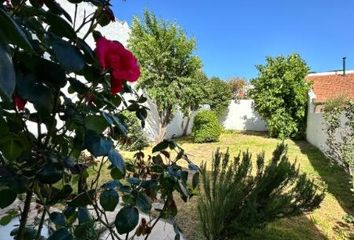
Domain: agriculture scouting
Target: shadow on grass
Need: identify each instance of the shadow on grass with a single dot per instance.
(295, 228)
(336, 179)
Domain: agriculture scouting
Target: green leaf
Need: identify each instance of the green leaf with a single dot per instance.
(89, 55)
(7, 73)
(83, 199)
(109, 200)
(116, 173)
(11, 147)
(127, 219)
(50, 173)
(195, 180)
(143, 202)
(193, 167)
(57, 218)
(8, 217)
(7, 197)
(117, 161)
(13, 32)
(97, 145)
(116, 121)
(96, 123)
(30, 89)
(68, 55)
(83, 215)
(51, 73)
(61, 234)
(60, 26)
(161, 146)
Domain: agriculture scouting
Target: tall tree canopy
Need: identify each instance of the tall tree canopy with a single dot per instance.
(168, 65)
(219, 95)
(280, 95)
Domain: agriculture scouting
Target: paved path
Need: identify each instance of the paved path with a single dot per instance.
(163, 230)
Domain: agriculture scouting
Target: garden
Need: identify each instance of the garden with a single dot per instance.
(76, 161)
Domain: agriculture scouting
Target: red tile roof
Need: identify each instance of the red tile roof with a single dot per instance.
(332, 85)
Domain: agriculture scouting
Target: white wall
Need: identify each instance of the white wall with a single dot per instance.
(316, 127)
(174, 129)
(242, 116)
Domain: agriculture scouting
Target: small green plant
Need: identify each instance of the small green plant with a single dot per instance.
(206, 127)
(135, 139)
(234, 199)
(349, 218)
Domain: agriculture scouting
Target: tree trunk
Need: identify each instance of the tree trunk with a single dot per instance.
(185, 129)
(162, 132)
(165, 119)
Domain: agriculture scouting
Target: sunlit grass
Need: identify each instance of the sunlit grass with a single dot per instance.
(324, 223)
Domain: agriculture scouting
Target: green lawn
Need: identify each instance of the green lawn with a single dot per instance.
(324, 223)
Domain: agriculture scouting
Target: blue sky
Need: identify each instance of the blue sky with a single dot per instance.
(234, 35)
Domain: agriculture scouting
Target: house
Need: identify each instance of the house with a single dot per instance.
(330, 85)
(326, 86)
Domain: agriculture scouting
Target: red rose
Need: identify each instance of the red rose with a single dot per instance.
(119, 61)
(19, 102)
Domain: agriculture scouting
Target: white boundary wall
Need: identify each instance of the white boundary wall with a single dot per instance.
(242, 116)
(316, 127)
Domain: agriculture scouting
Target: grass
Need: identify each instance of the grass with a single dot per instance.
(324, 223)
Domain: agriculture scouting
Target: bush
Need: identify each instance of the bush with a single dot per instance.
(206, 127)
(234, 200)
(280, 95)
(135, 139)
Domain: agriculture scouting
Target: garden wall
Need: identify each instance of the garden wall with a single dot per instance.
(241, 116)
(316, 127)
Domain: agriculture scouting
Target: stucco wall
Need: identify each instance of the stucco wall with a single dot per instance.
(316, 127)
(242, 116)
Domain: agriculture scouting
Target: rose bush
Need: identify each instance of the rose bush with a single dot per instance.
(60, 123)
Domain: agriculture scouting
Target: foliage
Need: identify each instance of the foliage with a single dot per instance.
(194, 95)
(280, 95)
(340, 149)
(135, 139)
(168, 65)
(236, 199)
(237, 86)
(206, 127)
(50, 78)
(218, 95)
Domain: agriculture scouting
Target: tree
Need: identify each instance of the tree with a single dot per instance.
(237, 86)
(280, 95)
(218, 95)
(235, 199)
(168, 65)
(195, 94)
(73, 95)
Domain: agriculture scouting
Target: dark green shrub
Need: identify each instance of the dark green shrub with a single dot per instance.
(280, 95)
(135, 139)
(206, 127)
(235, 200)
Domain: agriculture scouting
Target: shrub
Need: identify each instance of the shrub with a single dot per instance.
(135, 139)
(234, 200)
(218, 97)
(206, 127)
(280, 95)
(340, 139)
